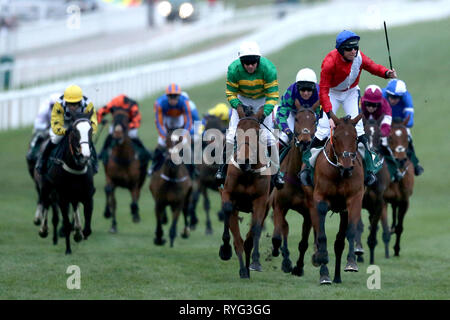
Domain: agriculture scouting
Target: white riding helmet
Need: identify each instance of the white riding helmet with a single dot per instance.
(307, 75)
(249, 48)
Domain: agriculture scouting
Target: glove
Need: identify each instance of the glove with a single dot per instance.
(290, 135)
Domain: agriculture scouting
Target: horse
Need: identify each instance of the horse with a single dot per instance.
(70, 178)
(294, 195)
(123, 169)
(373, 200)
(171, 186)
(205, 179)
(339, 186)
(401, 188)
(247, 188)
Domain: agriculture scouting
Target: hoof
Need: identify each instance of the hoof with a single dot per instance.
(136, 218)
(255, 266)
(43, 233)
(37, 221)
(209, 231)
(78, 236)
(244, 273)
(113, 230)
(86, 233)
(297, 272)
(225, 252)
(325, 280)
(286, 266)
(359, 258)
(337, 280)
(185, 233)
(68, 251)
(359, 251)
(159, 242)
(351, 267)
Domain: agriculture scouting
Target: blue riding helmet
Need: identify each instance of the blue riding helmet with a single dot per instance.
(345, 36)
(396, 87)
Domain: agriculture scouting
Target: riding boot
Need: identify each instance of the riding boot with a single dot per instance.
(278, 178)
(158, 159)
(305, 174)
(222, 171)
(144, 154)
(94, 159)
(369, 166)
(418, 169)
(41, 164)
(103, 155)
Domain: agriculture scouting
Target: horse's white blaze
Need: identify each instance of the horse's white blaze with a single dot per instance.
(400, 148)
(83, 128)
(398, 133)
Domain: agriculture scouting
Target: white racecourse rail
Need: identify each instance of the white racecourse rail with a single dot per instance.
(19, 108)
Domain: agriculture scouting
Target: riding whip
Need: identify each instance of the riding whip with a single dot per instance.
(99, 133)
(284, 143)
(387, 42)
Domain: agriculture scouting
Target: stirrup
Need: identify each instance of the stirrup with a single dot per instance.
(370, 179)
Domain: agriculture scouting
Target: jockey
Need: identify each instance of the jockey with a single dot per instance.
(221, 111)
(42, 124)
(401, 103)
(339, 80)
(195, 117)
(251, 82)
(172, 110)
(132, 108)
(72, 101)
(305, 92)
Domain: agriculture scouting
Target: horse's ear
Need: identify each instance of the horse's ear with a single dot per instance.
(405, 122)
(297, 104)
(358, 117)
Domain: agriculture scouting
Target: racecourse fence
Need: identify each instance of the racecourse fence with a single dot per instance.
(19, 107)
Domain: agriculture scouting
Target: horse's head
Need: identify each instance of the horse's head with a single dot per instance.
(373, 132)
(398, 141)
(344, 143)
(247, 139)
(175, 143)
(304, 127)
(80, 137)
(120, 125)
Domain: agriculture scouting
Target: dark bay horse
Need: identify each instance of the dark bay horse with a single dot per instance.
(294, 195)
(373, 200)
(339, 186)
(401, 188)
(123, 169)
(205, 179)
(247, 188)
(171, 186)
(70, 178)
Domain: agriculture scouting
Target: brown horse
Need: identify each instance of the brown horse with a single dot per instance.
(205, 179)
(373, 200)
(294, 195)
(401, 189)
(246, 188)
(123, 169)
(171, 186)
(339, 186)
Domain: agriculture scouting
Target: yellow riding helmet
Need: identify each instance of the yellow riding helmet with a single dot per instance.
(221, 111)
(73, 94)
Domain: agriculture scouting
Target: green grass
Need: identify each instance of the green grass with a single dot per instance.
(128, 266)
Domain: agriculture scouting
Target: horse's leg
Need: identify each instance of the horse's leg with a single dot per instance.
(43, 231)
(303, 245)
(186, 230)
(386, 230)
(64, 205)
(38, 214)
(135, 192)
(374, 217)
(279, 221)
(159, 213)
(193, 205)
(244, 271)
(321, 257)
(207, 206)
(359, 251)
(88, 205)
(402, 208)
(286, 264)
(339, 245)
(394, 217)
(354, 206)
(225, 252)
(108, 189)
(55, 220)
(78, 235)
(173, 227)
(111, 203)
